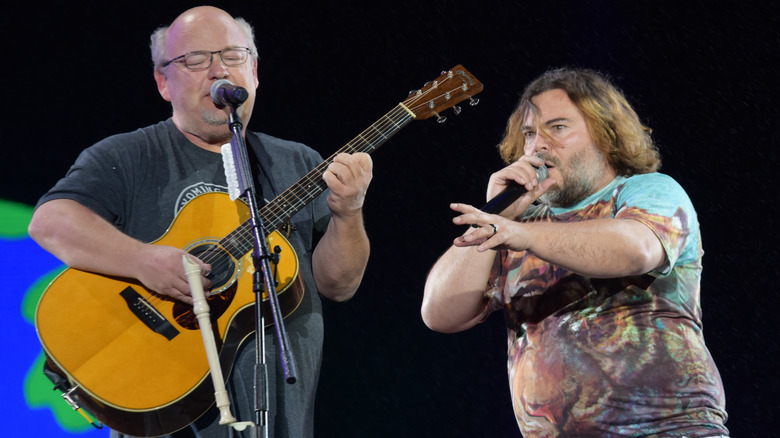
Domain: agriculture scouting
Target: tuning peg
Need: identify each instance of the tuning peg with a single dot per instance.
(457, 109)
(440, 118)
(413, 92)
(473, 102)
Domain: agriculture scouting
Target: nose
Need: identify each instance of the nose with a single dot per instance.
(218, 69)
(539, 143)
(529, 148)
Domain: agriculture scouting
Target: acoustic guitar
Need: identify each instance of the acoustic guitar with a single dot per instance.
(136, 360)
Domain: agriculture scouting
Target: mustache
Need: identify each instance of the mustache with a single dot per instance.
(546, 157)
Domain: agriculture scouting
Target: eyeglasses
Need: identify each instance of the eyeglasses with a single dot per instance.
(202, 59)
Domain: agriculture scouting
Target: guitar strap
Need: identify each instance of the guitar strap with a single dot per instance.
(258, 163)
(261, 176)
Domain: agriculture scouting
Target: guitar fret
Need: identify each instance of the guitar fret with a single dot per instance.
(379, 132)
(244, 244)
(232, 244)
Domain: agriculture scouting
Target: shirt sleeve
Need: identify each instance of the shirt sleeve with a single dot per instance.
(96, 180)
(660, 203)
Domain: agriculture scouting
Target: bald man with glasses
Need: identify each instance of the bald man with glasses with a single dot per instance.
(124, 192)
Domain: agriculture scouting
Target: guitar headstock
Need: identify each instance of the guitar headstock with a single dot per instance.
(449, 89)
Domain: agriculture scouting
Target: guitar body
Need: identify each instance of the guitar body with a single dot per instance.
(138, 360)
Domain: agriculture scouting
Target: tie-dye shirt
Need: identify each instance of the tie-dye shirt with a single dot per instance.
(612, 357)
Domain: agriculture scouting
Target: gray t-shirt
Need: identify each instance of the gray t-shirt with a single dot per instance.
(140, 181)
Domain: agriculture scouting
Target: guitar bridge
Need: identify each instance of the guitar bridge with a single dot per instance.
(148, 314)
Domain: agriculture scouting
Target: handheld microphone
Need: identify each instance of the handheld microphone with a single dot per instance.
(225, 93)
(511, 193)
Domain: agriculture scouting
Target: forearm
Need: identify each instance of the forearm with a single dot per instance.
(454, 296)
(340, 258)
(82, 239)
(601, 248)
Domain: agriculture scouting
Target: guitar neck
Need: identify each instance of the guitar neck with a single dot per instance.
(449, 89)
(292, 200)
(284, 206)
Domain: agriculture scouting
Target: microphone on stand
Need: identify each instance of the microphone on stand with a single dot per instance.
(225, 93)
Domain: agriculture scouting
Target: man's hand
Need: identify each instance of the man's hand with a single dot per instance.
(348, 177)
(160, 269)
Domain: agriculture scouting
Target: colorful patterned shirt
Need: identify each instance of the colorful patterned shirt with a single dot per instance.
(612, 357)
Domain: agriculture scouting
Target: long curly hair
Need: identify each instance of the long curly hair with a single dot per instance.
(613, 124)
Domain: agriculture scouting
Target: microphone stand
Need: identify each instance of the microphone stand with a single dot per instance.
(262, 259)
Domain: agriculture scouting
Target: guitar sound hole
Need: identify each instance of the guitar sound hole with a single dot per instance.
(222, 265)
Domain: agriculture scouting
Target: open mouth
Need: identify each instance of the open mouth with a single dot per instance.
(547, 162)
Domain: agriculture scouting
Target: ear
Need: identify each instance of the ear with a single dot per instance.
(162, 85)
(254, 73)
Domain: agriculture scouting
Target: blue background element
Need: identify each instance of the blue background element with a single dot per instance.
(24, 263)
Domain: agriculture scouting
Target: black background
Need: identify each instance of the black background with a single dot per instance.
(702, 74)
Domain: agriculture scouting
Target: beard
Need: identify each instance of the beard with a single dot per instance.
(581, 178)
(214, 118)
(217, 128)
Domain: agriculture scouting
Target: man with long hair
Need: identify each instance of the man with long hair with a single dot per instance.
(597, 268)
